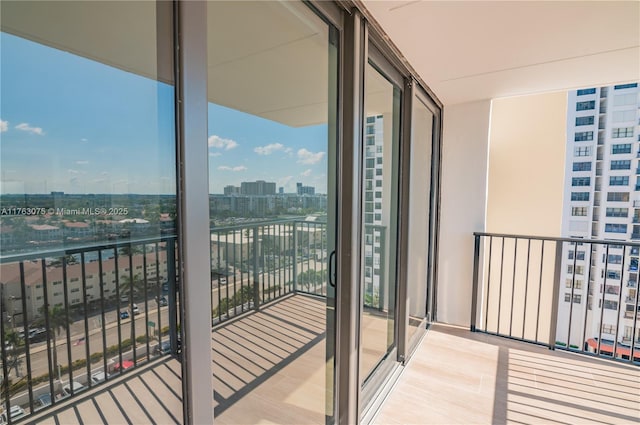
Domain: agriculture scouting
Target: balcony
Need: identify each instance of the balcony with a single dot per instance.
(267, 338)
(483, 379)
(452, 367)
(522, 291)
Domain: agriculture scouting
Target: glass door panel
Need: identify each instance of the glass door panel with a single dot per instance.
(272, 90)
(88, 194)
(379, 220)
(419, 223)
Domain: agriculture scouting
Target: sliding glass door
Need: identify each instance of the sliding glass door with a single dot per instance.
(379, 221)
(272, 114)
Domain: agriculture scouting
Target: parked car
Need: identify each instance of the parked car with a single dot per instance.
(135, 310)
(124, 298)
(124, 314)
(37, 334)
(98, 377)
(163, 348)
(77, 387)
(162, 302)
(42, 401)
(15, 413)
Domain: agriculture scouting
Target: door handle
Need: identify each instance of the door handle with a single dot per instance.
(332, 276)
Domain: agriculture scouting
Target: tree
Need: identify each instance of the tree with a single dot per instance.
(12, 339)
(126, 284)
(58, 320)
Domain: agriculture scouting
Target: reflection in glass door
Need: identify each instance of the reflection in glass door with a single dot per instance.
(379, 221)
(418, 277)
(272, 91)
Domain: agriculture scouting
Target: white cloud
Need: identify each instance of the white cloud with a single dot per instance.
(306, 173)
(227, 168)
(84, 140)
(83, 162)
(4, 126)
(214, 154)
(70, 171)
(33, 130)
(218, 142)
(269, 149)
(308, 157)
(285, 181)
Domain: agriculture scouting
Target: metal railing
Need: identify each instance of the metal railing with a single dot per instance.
(258, 263)
(74, 318)
(544, 290)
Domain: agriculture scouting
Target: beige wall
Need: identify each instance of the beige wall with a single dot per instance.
(463, 203)
(526, 165)
(525, 193)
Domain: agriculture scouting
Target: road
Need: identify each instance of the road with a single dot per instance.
(160, 319)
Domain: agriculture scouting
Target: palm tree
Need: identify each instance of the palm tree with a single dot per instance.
(58, 320)
(12, 339)
(126, 284)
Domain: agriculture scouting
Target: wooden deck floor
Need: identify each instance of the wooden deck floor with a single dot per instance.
(152, 394)
(270, 367)
(459, 377)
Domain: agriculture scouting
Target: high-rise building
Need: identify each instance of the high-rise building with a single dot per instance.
(231, 190)
(305, 190)
(601, 201)
(373, 183)
(259, 187)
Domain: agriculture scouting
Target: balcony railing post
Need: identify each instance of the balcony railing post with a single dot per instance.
(474, 294)
(555, 296)
(256, 285)
(295, 259)
(171, 280)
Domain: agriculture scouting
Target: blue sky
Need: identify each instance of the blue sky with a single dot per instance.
(75, 125)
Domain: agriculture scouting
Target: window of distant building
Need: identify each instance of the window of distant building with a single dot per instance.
(615, 228)
(583, 136)
(620, 132)
(615, 259)
(569, 283)
(624, 164)
(618, 180)
(618, 196)
(585, 106)
(617, 212)
(621, 148)
(608, 329)
(579, 211)
(582, 151)
(579, 196)
(584, 120)
(583, 92)
(625, 86)
(582, 166)
(581, 181)
(577, 298)
(580, 255)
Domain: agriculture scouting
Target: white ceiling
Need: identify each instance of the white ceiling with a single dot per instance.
(473, 50)
(464, 51)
